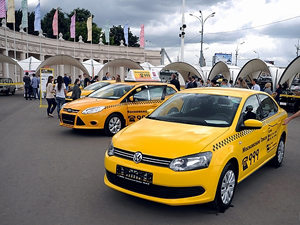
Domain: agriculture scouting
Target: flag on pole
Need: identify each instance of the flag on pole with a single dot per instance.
(73, 25)
(142, 36)
(89, 28)
(11, 11)
(37, 18)
(2, 9)
(126, 33)
(24, 14)
(55, 23)
(107, 31)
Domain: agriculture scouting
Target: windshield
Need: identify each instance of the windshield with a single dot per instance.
(114, 91)
(96, 86)
(198, 109)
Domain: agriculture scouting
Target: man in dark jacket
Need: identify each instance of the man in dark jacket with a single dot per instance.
(27, 81)
(175, 82)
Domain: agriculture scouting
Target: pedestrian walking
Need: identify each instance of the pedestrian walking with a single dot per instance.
(35, 86)
(50, 97)
(27, 86)
(66, 81)
(76, 90)
(61, 91)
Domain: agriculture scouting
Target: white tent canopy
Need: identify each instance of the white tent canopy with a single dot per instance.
(292, 69)
(228, 71)
(92, 66)
(184, 69)
(30, 63)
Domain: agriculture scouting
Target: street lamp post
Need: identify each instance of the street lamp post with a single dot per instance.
(202, 21)
(257, 54)
(237, 52)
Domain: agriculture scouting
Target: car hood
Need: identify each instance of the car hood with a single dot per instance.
(83, 103)
(83, 93)
(166, 139)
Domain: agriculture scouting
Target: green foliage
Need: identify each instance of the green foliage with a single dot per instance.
(116, 34)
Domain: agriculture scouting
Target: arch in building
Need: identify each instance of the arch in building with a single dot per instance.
(7, 59)
(122, 62)
(291, 70)
(228, 71)
(185, 69)
(62, 60)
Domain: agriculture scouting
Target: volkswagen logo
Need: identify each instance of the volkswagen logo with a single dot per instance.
(137, 157)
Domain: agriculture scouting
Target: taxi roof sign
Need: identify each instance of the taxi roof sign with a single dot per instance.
(142, 75)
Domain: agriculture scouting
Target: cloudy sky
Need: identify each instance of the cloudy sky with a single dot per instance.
(271, 28)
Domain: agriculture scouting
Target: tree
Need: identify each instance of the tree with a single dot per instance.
(116, 34)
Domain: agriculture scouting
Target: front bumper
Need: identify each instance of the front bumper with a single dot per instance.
(81, 121)
(168, 187)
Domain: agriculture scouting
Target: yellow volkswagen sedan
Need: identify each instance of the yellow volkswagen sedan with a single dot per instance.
(115, 106)
(89, 89)
(196, 146)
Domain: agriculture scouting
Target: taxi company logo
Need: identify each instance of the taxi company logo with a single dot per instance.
(69, 110)
(137, 157)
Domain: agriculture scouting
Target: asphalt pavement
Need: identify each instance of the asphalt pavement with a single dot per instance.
(54, 175)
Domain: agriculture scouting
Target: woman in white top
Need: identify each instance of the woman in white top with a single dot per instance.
(50, 97)
(61, 92)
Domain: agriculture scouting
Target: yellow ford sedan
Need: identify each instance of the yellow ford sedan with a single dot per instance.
(196, 146)
(115, 106)
(89, 89)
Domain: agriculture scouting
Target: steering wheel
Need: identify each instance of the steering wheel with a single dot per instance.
(173, 110)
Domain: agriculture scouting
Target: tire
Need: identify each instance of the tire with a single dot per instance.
(277, 160)
(226, 188)
(113, 124)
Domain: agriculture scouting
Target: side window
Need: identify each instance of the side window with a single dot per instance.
(251, 109)
(170, 91)
(156, 92)
(269, 108)
(141, 94)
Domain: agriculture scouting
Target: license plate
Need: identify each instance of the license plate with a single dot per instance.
(134, 175)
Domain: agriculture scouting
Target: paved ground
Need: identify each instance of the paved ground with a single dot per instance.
(54, 175)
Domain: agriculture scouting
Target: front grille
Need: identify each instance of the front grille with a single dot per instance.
(155, 190)
(69, 110)
(68, 119)
(152, 160)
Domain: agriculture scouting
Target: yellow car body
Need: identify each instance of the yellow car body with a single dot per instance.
(90, 89)
(115, 106)
(196, 146)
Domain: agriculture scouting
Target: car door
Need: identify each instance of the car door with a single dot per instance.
(250, 144)
(143, 98)
(270, 128)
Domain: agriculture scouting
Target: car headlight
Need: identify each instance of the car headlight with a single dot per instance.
(191, 162)
(93, 110)
(111, 149)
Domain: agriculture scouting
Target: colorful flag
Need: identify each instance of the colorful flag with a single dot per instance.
(55, 23)
(24, 14)
(2, 9)
(142, 36)
(89, 28)
(107, 31)
(126, 33)
(11, 11)
(37, 18)
(73, 25)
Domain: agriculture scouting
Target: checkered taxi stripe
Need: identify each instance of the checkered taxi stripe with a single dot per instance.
(230, 139)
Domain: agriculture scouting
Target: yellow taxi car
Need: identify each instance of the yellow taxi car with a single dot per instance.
(89, 89)
(115, 106)
(196, 146)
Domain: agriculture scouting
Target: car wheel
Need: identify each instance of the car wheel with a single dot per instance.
(113, 124)
(226, 188)
(277, 160)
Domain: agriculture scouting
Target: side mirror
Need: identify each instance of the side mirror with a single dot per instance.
(252, 124)
(149, 111)
(131, 98)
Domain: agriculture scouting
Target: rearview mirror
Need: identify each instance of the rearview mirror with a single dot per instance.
(252, 124)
